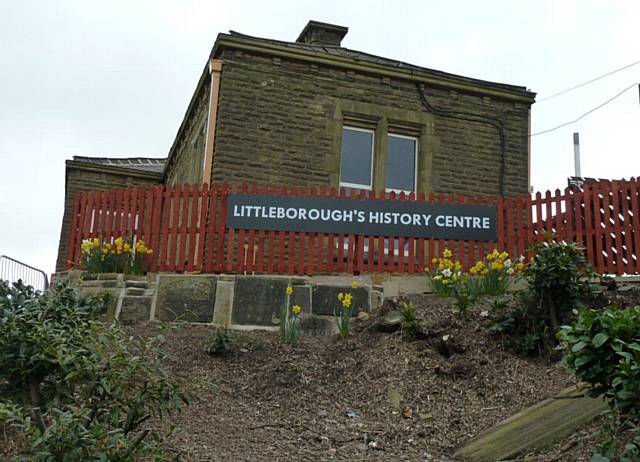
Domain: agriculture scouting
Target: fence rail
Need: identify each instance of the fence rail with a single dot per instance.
(13, 270)
(185, 225)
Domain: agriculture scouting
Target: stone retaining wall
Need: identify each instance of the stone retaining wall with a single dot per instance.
(242, 302)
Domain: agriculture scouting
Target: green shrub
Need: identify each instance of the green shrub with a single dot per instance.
(223, 341)
(409, 320)
(77, 389)
(517, 322)
(466, 291)
(602, 348)
(558, 275)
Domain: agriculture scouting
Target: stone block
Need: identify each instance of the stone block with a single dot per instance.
(257, 300)
(325, 299)
(317, 326)
(135, 310)
(108, 276)
(137, 284)
(224, 302)
(301, 296)
(185, 298)
(112, 283)
(135, 291)
(377, 297)
(112, 300)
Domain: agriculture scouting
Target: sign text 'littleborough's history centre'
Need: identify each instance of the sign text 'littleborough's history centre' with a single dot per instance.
(367, 217)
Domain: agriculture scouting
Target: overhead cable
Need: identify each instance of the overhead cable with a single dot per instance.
(586, 113)
(587, 82)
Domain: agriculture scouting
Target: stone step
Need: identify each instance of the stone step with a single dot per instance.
(137, 284)
(106, 284)
(136, 291)
(534, 428)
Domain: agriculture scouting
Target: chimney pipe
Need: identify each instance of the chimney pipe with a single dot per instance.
(576, 154)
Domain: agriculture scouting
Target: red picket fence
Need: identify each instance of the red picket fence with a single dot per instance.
(185, 226)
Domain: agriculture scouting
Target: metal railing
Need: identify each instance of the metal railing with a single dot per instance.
(13, 270)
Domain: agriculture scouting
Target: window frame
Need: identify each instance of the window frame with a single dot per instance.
(345, 184)
(415, 164)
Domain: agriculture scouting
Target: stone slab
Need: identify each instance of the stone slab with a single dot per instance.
(325, 299)
(224, 303)
(318, 326)
(185, 298)
(301, 296)
(113, 294)
(135, 310)
(257, 300)
(534, 428)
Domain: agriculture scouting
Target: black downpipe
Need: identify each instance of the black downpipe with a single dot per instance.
(471, 117)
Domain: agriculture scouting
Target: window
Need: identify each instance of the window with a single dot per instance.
(356, 160)
(402, 155)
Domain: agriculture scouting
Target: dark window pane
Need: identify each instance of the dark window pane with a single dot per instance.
(401, 163)
(355, 163)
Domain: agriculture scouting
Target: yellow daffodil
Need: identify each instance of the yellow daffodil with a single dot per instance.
(447, 253)
(340, 296)
(354, 284)
(289, 290)
(434, 261)
(295, 309)
(445, 282)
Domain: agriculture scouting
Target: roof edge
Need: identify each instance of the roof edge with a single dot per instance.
(443, 80)
(116, 170)
(201, 82)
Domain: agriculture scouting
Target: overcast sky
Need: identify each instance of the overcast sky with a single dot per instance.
(114, 79)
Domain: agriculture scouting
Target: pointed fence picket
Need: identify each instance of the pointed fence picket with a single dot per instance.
(185, 225)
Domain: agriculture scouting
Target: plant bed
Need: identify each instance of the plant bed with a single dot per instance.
(371, 396)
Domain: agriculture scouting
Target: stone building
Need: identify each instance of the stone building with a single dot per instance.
(314, 113)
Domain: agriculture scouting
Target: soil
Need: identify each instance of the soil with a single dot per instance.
(372, 397)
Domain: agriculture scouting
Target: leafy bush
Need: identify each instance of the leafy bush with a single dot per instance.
(79, 390)
(602, 348)
(223, 341)
(519, 325)
(557, 276)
